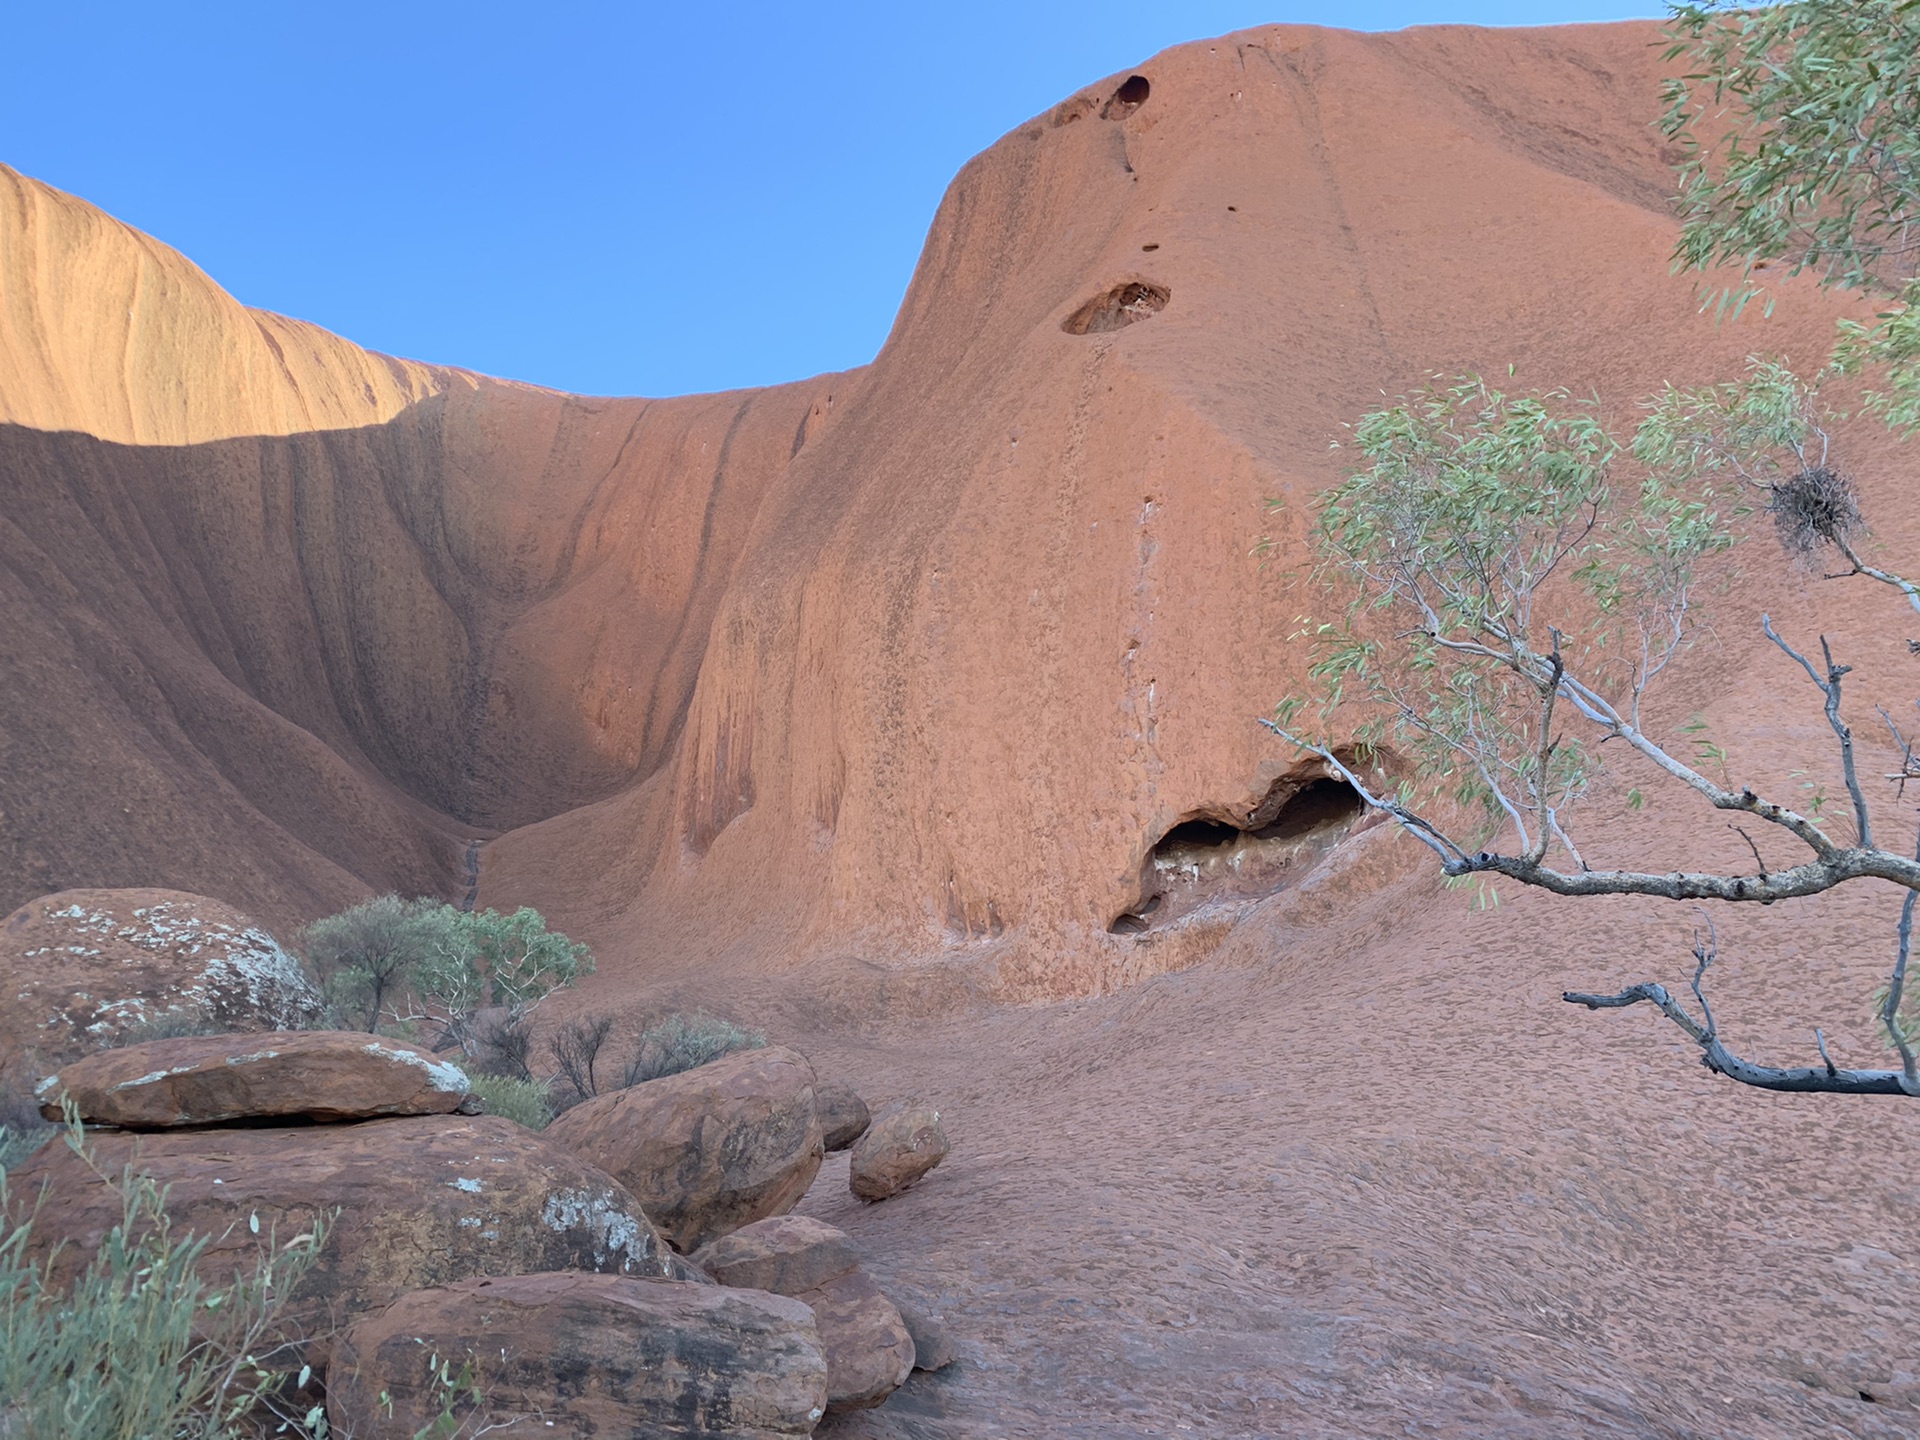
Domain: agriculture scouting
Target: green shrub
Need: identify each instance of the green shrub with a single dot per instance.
(365, 957)
(22, 1131)
(403, 963)
(682, 1042)
(523, 1101)
(140, 1345)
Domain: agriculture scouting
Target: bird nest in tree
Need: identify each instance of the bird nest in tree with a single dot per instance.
(1816, 507)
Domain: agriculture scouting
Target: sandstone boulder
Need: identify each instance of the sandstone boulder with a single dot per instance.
(708, 1150)
(869, 1348)
(421, 1201)
(905, 1141)
(932, 1350)
(843, 1114)
(786, 1254)
(207, 1079)
(81, 969)
(588, 1355)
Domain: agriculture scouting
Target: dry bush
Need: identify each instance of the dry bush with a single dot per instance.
(682, 1042)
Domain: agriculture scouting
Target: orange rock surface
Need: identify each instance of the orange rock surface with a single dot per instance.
(909, 664)
(844, 705)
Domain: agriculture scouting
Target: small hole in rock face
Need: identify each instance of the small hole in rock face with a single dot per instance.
(1149, 247)
(1234, 208)
(1131, 95)
(1207, 858)
(1119, 307)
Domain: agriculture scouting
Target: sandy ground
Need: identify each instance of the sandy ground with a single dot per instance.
(1386, 1183)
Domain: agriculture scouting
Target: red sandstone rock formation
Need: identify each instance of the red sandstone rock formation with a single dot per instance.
(415, 1202)
(926, 662)
(324, 1075)
(85, 969)
(916, 663)
(709, 1149)
(674, 1361)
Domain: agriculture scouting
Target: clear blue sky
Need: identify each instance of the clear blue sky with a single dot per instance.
(613, 198)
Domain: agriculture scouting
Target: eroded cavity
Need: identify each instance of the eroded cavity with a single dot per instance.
(1216, 855)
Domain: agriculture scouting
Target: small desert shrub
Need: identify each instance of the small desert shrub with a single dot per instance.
(22, 1131)
(140, 1345)
(525, 1102)
(575, 1048)
(499, 1042)
(682, 1042)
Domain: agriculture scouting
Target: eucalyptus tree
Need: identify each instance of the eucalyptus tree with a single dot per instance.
(1522, 577)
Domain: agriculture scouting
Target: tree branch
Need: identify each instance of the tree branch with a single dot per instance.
(1897, 984)
(1822, 1079)
(1830, 686)
(1601, 712)
(1550, 688)
(1885, 577)
(1811, 878)
(1417, 826)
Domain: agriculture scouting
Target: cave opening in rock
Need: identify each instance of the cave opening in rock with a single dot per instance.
(1131, 95)
(1122, 305)
(1316, 805)
(1209, 857)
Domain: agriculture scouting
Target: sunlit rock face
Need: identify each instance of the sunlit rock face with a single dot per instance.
(951, 659)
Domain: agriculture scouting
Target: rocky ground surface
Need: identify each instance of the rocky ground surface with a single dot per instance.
(1386, 1184)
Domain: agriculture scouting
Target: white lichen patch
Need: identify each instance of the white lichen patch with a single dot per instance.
(152, 1077)
(619, 1240)
(175, 956)
(442, 1075)
(472, 1187)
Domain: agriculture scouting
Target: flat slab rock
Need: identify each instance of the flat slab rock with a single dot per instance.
(209, 1079)
(421, 1201)
(905, 1141)
(588, 1355)
(869, 1346)
(81, 969)
(708, 1150)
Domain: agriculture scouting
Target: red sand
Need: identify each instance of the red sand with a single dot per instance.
(854, 707)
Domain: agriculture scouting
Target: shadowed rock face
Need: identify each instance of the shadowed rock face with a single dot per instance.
(592, 1355)
(920, 662)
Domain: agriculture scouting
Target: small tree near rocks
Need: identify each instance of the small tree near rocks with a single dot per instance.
(408, 963)
(668, 1046)
(1513, 609)
(576, 1048)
